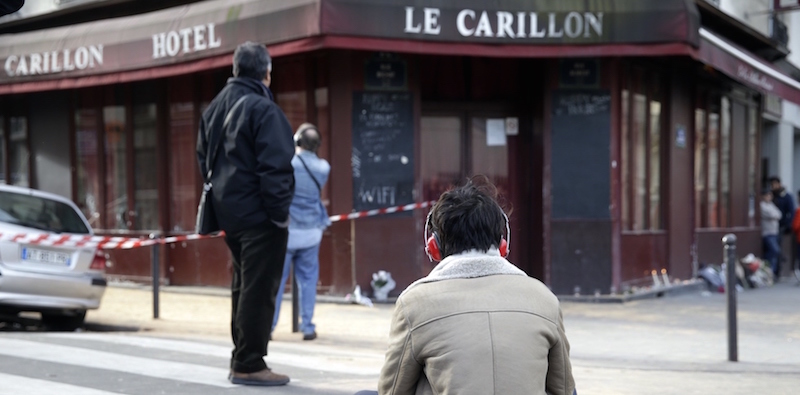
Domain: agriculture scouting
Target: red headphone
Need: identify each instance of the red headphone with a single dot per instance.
(435, 253)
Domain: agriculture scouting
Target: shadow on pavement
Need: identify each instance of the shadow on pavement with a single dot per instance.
(26, 323)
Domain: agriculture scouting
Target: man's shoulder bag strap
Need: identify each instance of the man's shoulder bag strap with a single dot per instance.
(310, 174)
(212, 154)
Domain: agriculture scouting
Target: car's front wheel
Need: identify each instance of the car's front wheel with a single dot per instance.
(64, 321)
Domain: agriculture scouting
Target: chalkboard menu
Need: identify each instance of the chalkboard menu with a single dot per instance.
(580, 164)
(383, 150)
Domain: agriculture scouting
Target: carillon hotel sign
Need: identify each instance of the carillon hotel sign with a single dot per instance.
(160, 38)
(165, 44)
(54, 62)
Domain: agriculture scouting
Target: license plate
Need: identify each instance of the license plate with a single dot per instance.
(45, 256)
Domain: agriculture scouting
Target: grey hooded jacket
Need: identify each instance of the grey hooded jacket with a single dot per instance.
(477, 325)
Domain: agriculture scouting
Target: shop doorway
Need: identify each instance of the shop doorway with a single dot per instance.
(459, 145)
(456, 144)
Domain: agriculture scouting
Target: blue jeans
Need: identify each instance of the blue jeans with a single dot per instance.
(772, 252)
(306, 270)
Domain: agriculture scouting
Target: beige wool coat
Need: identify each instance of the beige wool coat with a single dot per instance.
(477, 325)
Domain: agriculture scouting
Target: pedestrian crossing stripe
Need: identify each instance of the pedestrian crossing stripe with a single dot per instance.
(14, 385)
(325, 359)
(88, 358)
(175, 360)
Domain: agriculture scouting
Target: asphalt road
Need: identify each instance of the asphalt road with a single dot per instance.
(671, 345)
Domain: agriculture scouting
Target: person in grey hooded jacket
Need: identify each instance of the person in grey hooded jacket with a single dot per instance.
(477, 324)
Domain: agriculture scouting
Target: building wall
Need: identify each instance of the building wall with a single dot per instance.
(796, 164)
(789, 158)
(792, 20)
(750, 12)
(777, 147)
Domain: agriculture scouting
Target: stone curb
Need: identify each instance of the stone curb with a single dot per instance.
(650, 293)
(225, 292)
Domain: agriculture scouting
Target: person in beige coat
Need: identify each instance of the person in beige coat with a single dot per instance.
(476, 324)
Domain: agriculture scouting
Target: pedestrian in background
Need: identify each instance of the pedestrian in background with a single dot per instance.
(245, 139)
(476, 324)
(784, 201)
(309, 220)
(796, 228)
(770, 217)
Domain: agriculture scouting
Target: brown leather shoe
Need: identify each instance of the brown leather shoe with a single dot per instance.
(264, 377)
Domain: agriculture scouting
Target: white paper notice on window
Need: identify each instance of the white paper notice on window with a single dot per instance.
(495, 132)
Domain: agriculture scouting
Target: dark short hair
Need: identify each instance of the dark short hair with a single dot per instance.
(251, 60)
(308, 141)
(468, 218)
(774, 179)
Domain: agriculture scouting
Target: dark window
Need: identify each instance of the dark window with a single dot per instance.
(40, 213)
(19, 155)
(713, 161)
(116, 157)
(87, 174)
(642, 116)
(2, 150)
(475, 144)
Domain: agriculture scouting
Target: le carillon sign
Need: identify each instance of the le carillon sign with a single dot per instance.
(517, 21)
(216, 27)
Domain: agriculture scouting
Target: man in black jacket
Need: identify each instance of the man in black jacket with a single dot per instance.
(253, 183)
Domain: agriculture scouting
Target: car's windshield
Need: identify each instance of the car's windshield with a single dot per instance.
(40, 213)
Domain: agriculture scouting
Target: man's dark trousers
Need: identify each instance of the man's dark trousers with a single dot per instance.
(258, 256)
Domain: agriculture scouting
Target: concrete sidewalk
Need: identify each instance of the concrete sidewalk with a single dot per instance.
(671, 345)
(204, 312)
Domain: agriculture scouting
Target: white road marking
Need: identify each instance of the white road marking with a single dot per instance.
(338, 361)
(54, 353)
(15, 385)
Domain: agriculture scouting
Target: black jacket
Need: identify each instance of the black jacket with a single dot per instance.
(253, 178)
(10, 6)
(785, 203)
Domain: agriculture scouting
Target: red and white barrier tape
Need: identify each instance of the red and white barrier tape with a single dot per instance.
(124, 243)
(379, 211)
(103, 242)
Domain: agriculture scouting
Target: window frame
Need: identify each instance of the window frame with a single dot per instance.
(639, 80)
(709, 100)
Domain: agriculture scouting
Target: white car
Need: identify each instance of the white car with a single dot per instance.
(55, 279)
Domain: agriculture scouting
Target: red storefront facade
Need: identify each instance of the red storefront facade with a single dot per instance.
(624, 140)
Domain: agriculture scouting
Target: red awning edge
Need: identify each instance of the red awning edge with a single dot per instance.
(742, 66)
(361, 44)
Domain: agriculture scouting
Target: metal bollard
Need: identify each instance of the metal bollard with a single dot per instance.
(729, 241)
(156, 273)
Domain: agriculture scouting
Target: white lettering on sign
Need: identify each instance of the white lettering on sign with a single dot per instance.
(382, 195)
(504, 24)
(754, 77)
(187, 40)
(53, 62)
(430, 21)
